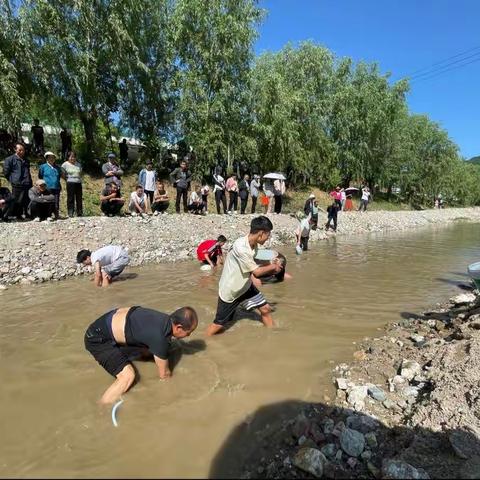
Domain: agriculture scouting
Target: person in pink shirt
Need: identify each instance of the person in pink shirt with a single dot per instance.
(337, 196)
(232, 189)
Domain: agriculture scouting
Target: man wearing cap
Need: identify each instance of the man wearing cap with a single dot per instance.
(16, 170)
(147, 178)
(51, 173)
(42, 202)
(111, 170)
(311, 208)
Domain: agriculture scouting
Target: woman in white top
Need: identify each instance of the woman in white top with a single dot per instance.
(138, 201)
(219, 190)
(72, 173)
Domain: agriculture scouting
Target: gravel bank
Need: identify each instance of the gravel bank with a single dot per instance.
(407, 407)
(33, 252)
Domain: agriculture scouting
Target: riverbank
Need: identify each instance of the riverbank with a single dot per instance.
(32, 252)
(408, 406)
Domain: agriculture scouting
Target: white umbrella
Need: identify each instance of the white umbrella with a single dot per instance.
(275, 176)
(351, 189)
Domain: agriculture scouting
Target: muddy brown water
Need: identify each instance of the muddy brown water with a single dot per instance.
(343, 290)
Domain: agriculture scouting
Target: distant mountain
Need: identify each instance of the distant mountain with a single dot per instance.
(475, 160)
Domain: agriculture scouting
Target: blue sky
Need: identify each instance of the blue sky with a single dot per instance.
(402, 36)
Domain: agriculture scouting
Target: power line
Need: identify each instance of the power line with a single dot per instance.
(438, 69)
(437, 74)
(413, 74)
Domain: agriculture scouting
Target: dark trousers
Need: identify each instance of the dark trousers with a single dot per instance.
(42, 210)
(254, 203)
(363, 205)
(160, 206)
(181, 193)
(278, 204)
(243, 202)
(8, 210)
(74, 199)
(56, 193)
(205, 201)
(111, 208)
(233, 203)
(220, 198)
(20, 196)
(304, 243)
(330, 219)
(150, 195)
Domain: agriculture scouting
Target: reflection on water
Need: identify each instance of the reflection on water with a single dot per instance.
(343, 289)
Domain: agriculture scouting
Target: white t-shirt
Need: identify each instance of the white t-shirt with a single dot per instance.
(150, 180)
(239, 264)
(107, 255)
(365, 195)
(221, 180)
(194, 198)
(140, 200)
(304, 228)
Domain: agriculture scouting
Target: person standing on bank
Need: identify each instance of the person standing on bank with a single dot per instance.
(72, 173)
(66, 140)
(123, 147)
(147, 178)
(143, 332)
(243, 189)
(38, 137)
(255, 191)
(51, 173)
(112, 171)
(219, 190)
(232, 189)
(180, 179)
(16, 170)
(365, 199)
(278, 193)
(235, 287)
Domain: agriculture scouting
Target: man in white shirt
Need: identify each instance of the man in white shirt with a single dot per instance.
(108, 262)
(236, 288)
(195, 203)
(138, 201)
(147, 179)
(365, 199)
(302, 233)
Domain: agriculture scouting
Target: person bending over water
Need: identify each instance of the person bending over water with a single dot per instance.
(141, 331)
(210, 252)
(108, 262)
(235, 286)
(273, 278)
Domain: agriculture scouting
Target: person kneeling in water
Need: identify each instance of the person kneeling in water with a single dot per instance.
(209, 252)
(141, 331)
(108, 262)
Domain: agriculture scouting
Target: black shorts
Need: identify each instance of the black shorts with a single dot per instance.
(251, 299)
(100, 343)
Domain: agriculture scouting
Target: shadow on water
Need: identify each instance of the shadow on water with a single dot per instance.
(182, 347)
(260, 445)
(456, 283)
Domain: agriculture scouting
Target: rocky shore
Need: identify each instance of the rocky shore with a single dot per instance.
(33, 252)
(407, 407)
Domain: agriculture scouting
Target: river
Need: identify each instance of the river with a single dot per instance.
(342, 290)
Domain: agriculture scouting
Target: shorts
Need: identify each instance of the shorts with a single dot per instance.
(251, 299)
(117, 267)
(100, 343)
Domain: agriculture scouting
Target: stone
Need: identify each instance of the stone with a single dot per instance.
(310, 460)
(45, 275)
(359, 355)
(464, 443)
(409, 369)
(366, 455)
(371, 440)
(356, 397)
(396, 469)
(470, 468)
(463, 298)
(352, 442)
(300, 426)
(389, 405)
(338, 456)
(362, 423)
(25, 270)
(417, 339)
(410, 391)
(398, 380)
(373, 470)
(329, 450)
(352, 462)
(328, 426)
(3, 287)
(342, 383)
(316, 433)
(377, 393)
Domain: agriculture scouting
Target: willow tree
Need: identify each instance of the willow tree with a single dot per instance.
(214, 39)
(80, 46)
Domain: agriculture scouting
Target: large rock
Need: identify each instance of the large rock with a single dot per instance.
(396, 469)
(362, 423)
(409, 369)
(464, 443)
(356, 397)
(310, 460)
(352, 442)
(463, 298)
(377, 393)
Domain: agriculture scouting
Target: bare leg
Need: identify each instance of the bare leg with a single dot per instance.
(266, 312)
(123, 382)
(213, 329)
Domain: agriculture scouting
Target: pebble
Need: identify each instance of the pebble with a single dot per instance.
(310, 460)
(362, 423)
(396, 469)
(352, 442)
(377, 393)
(409, 369)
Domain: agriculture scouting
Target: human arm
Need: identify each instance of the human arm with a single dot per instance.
(98, 274)
(271, 269)
(40, 172)
(173, 179)
(164, 371)
(209, 260)
(7, 168)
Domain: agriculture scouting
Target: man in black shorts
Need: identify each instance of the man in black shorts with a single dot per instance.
(235, 286)
(137, 330)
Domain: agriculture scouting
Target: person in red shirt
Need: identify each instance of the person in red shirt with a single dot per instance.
(210, 252)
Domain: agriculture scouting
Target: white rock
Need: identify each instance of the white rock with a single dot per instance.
(409, 369)
(463, 298)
